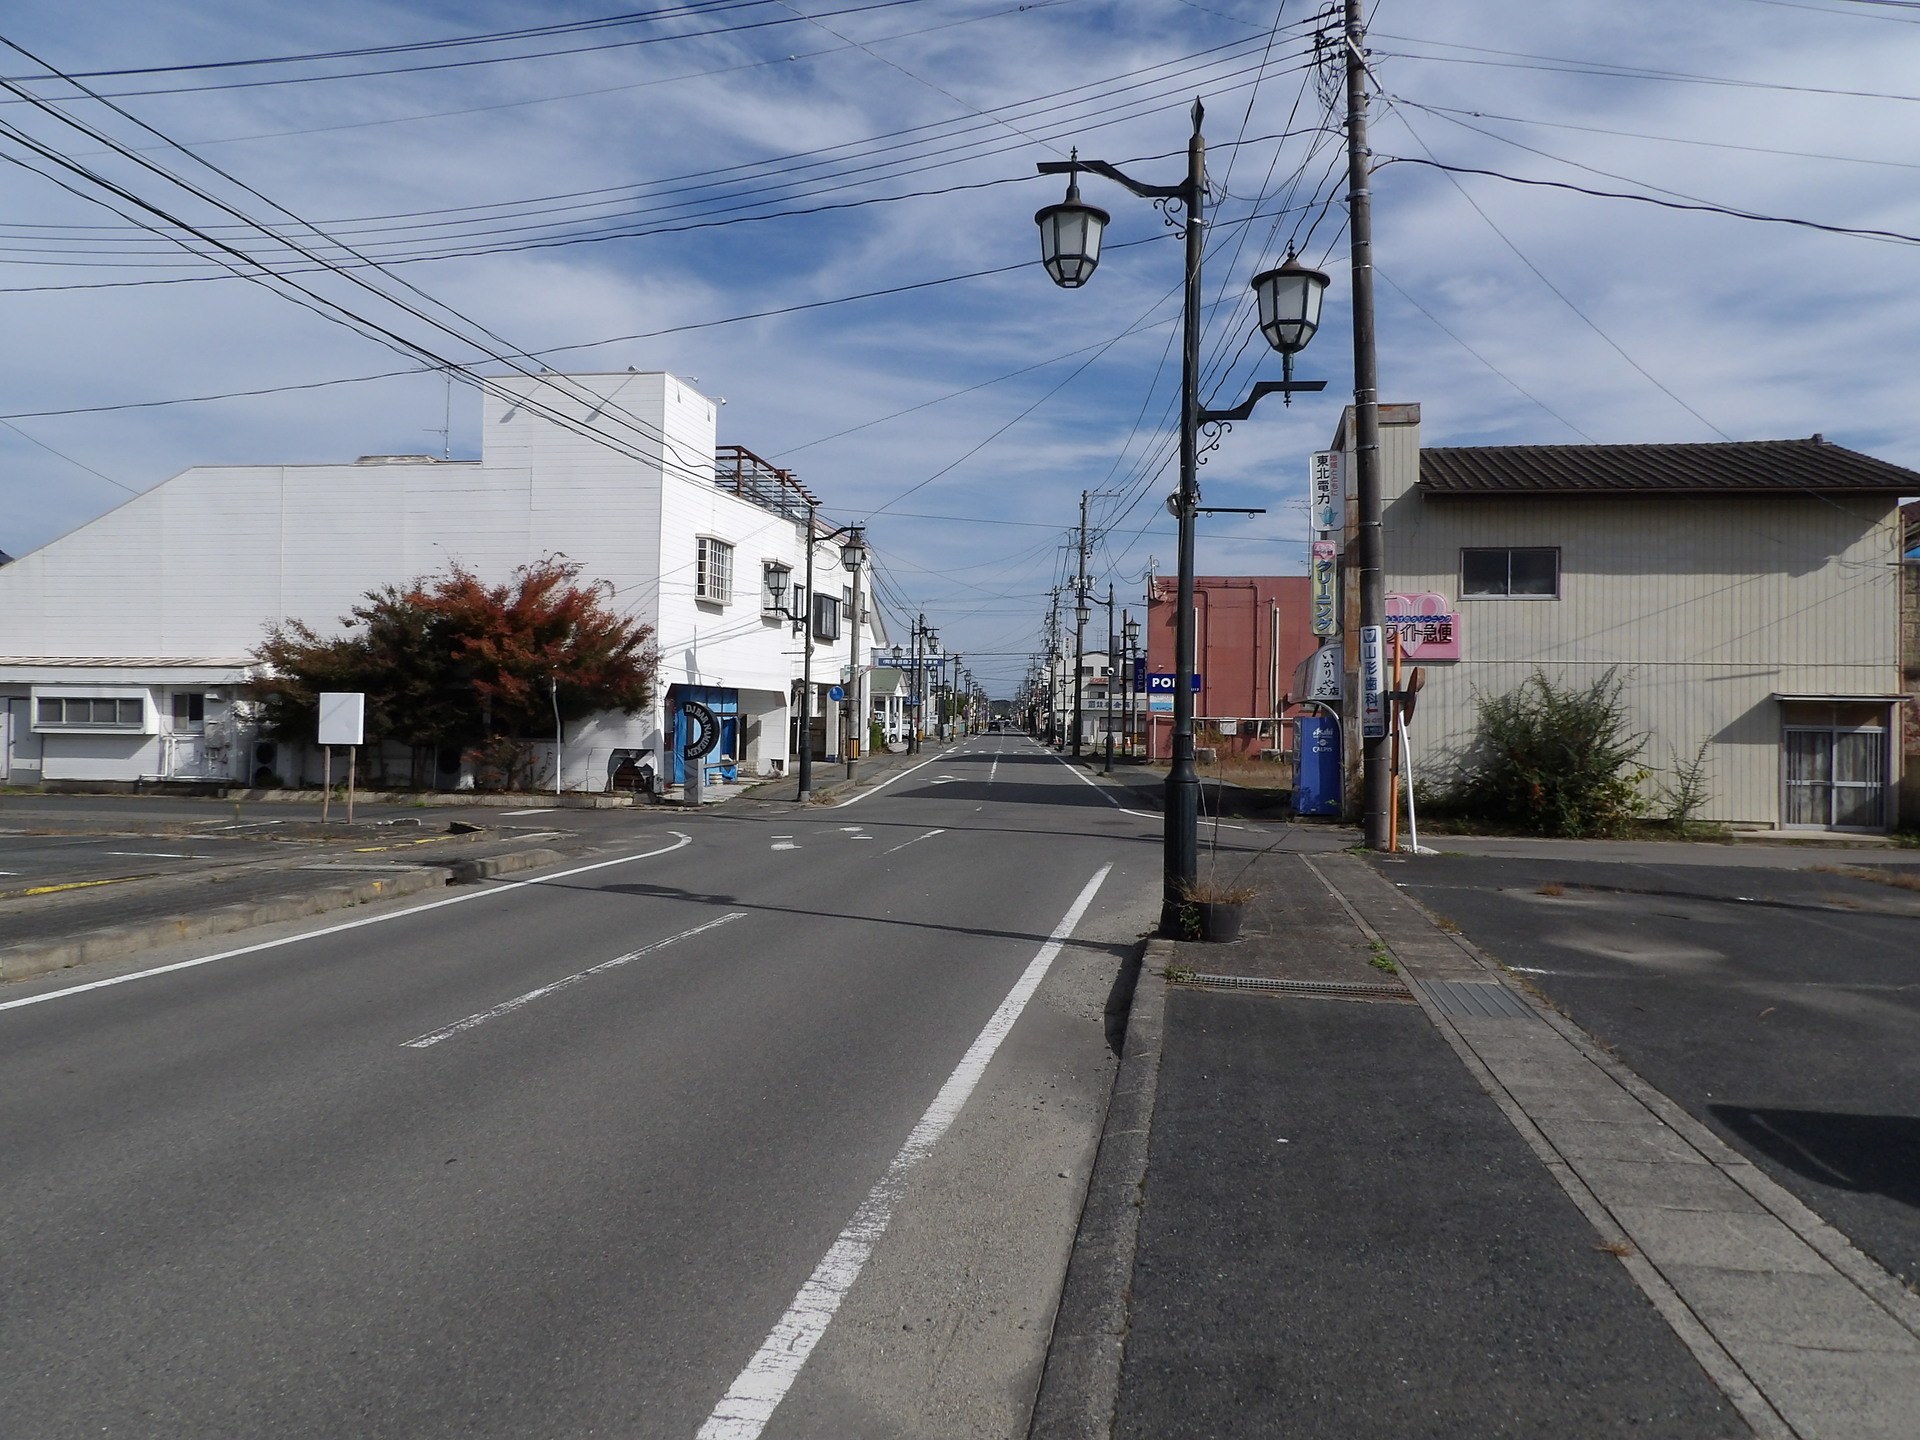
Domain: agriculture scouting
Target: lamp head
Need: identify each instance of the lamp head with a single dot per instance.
(1289, 300)
(1070, 236)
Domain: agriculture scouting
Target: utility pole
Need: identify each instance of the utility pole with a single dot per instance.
(1374, 778)
(1053, 665)
(913, 730)
(1080, 633)
(805, 788)
(1113, 676)
(856, 712)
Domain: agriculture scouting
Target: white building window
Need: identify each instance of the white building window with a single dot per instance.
(73, 712)
(1510, 574)
(713, 574)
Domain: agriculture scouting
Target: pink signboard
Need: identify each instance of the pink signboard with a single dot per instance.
(1429, 629)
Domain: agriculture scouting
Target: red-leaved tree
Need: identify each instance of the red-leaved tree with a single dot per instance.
(455, 662)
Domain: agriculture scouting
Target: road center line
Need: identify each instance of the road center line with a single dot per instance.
(994, 771)
(548, 811)
(915, 841)
(447, 1032)
(758, 1390)
(512, 885)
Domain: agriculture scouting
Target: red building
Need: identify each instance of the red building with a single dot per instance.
(1250, 631)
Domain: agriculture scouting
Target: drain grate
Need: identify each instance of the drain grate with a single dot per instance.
(1303, 987)
(1474, 999)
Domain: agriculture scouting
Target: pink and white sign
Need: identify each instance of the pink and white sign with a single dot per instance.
(1427, 627)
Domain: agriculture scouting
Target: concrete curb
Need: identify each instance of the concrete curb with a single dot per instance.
(1080, 1386)
(114, 941)
(468, 872)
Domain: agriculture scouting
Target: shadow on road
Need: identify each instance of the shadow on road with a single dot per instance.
(1868, 1154)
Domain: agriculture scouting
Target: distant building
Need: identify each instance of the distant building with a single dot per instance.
(1250, 632)
(1747, 593)
(124, 644)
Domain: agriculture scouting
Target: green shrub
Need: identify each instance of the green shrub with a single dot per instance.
(1556, 759)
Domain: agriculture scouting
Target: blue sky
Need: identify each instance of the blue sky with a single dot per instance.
(964, 418)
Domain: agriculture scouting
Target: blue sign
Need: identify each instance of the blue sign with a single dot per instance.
(1165, 684)
(1318, 789)
(1140, 661)
(838, 692)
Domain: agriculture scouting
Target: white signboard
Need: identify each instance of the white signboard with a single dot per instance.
(343, 717)
(1323, 674)
(1327, 490)
(1373, 683)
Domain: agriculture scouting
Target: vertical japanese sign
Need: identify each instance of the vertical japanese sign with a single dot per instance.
(1324, 586)
(1373, 683)
(1327, 491)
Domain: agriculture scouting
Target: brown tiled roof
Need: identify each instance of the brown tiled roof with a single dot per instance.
(1742, 467)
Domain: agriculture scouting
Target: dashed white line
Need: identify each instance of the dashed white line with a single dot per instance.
(447, 1032)
(152, 855)
(915, 841)
(548, 811)
(758, 1390)
(992, 773)
(681, 843)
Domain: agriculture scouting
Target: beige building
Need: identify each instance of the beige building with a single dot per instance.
(1749, 594)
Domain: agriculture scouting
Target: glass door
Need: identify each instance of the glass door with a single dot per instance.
(1835, 778)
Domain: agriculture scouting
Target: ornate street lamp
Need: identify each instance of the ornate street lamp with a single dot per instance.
(1070, 235)
(1289, 299)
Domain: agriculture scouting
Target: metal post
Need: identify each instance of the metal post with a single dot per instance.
(1180, 859)
(806, 671)
(1080, 635)
(553, 689)
(326, 783)
(1374, 777)
(856, 715)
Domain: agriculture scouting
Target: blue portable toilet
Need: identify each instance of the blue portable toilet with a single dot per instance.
(1318, 790)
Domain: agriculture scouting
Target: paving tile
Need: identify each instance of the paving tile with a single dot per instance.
(1839, 1394)
(1599, 1099)
(1806, 1311)
(1646, 1139)
(1718, 1239)
(1662, 1185)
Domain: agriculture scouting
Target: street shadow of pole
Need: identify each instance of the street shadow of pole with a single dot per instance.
(1867, 1154)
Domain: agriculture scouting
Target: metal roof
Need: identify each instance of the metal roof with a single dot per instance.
(1741, 467)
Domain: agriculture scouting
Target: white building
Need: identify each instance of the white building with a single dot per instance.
(123, 644)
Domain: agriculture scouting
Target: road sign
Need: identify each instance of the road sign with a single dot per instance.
(837, 692)
(1166, 684)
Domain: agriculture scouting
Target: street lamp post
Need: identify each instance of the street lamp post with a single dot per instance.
(852, 551)
(1289, 299)
(1130, 631)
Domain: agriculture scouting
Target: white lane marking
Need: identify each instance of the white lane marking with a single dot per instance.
(154, 854)
(852, 829)
(994, 771)
(548, 811)
(684, 841)
(1144, 814)
(1100, 789)
(785, 845)
(758, 1390)
(434, 1037)
(898, 775)
(915, 841)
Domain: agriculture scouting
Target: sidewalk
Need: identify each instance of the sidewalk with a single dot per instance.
(1337, 1200)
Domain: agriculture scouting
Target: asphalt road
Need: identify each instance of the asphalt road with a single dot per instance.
(557, 1158)
(1780, 1006)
